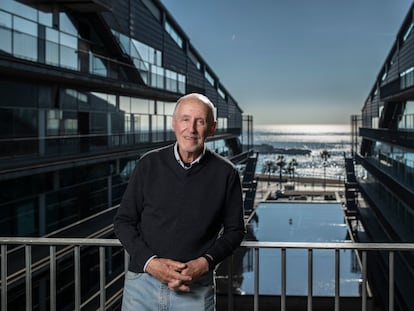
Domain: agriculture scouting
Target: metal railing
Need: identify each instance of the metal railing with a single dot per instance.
(75, 246)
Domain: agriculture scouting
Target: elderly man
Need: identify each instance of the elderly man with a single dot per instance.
(180, 215)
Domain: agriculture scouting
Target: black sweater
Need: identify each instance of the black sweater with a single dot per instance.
(175, 213)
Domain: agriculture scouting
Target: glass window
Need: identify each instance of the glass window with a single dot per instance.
(160, 107)
(171, 80)
(26, 218)
(127, 123)
(70, 123)
(101, 101)
(6, 40)
(140, 50)
(23, 25)
(144, 123)
(18, 123)
(68, 40)
(52, 46)
(157, 77)
(68, 99)
(181, 83)
(25, 40)
(68, 51)
(5, 20)
(117, 122)
(52, 35)
(125, 104)
(209, 78)
(174, 35)
(158, 58)
(54, 118)
(157, 123)
(169, 108)
(125, 43)
(408, 32)
(19, 9)
(139, 105)
(221, 93)
(66, 25)
(194, 59)
(97, 66)
(45, 18)
(98, 123)
(112, 102)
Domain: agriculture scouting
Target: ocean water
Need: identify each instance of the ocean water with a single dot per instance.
(336, 139)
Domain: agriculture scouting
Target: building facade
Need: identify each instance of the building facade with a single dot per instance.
(384, 154)
(86, 88)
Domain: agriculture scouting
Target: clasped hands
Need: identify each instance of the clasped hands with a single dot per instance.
(177, 275)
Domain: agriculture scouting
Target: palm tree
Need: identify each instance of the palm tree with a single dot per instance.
(281, 163)
(291, 167)
(325, 155)
(268, 167)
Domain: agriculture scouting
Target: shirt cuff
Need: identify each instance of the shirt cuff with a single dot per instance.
(148, 261)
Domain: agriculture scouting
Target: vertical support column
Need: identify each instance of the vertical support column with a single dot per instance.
(28, 267)
(310, 278)
(364, 280)
(283, 294)
(77, 278)
(52, 254)
(102, 278)
(256, 279)
(337, 279)
(4, 277)
(391, 281)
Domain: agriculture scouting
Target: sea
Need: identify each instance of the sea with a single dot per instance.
(304, 143)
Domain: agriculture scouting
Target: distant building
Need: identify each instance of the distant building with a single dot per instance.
(87, 87)
(384, 154)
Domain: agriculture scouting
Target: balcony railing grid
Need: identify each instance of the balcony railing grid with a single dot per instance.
(77, 243)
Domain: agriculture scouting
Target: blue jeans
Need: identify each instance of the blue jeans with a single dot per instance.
(143, 292)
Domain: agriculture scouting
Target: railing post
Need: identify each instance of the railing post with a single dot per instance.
(391, 282)
(310, 278)
(52, 254)
(3, 277)
(283, 289)
(28, 264)
(77, 278)
(126, 261)
(337, 278)
(364, 280)
(256, 279)
(230, 300)
(102, 278)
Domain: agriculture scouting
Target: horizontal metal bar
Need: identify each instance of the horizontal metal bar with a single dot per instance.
(248, 244)
(324, 245)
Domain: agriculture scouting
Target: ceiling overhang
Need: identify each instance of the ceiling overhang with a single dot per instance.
(80, 6)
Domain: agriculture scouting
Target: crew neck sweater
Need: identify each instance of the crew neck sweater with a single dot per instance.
(181, 214)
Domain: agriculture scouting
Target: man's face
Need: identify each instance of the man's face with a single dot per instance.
(190, 125)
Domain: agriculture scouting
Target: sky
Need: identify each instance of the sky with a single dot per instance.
(293, 61)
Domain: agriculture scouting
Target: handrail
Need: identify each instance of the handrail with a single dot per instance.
(248, 244)
(77, 243)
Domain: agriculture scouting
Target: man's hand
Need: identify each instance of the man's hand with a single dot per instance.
(176, 274)
(169, 271)
(195, 268)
